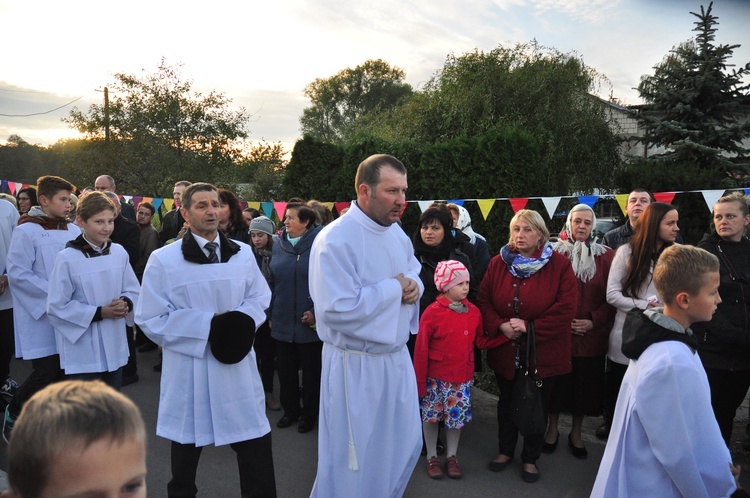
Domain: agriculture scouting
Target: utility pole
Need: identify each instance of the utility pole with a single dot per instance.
(106, 114)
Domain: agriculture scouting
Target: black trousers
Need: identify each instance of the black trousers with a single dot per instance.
(131, 367)
(292, 357)
(46, 371)
(728, 390)
(254, 459)
(265, 355)
(612, 382)
(7, 342)
(507, 432)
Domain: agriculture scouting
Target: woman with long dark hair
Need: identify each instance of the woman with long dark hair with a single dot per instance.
(631, 285)
(231, 221)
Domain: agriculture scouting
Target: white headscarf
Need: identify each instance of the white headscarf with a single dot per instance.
(464, 224)
(581, 254)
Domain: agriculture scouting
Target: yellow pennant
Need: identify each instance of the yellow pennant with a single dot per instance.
(622, 201)
(485, 205)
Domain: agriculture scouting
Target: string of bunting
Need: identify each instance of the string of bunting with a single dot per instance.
(485, 205)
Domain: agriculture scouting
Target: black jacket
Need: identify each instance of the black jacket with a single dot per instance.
(171, 225)
(641, 331)
(128, 235)
(724, 342)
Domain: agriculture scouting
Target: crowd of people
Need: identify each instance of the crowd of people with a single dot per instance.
(355, 306)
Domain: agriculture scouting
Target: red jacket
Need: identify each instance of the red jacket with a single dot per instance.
(593, 305)
(445, 344)
(549, 297)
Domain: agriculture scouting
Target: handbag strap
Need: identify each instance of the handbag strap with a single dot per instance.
(531, 344)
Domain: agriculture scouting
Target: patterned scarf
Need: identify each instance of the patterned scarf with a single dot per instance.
(581, 254)
(36, 215)
(523, 267)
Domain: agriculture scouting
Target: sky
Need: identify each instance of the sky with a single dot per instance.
(261, 54)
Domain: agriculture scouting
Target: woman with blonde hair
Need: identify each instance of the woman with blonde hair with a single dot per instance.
(527, 285)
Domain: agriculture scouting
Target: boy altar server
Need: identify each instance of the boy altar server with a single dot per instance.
(92, 290)
(665, 440)
(40, 235)
(201, 301)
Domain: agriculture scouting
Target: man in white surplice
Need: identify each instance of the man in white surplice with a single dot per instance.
(364, 281)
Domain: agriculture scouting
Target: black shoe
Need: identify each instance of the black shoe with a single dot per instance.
(129, 379)
(530, 477)
(499, 466)
(157, 367)
(149, 346)
(602, 432)
(305, 426)
(550, 447)
(580, 453)
(284, 422)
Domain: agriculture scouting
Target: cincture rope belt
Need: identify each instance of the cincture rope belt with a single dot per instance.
(353, 465)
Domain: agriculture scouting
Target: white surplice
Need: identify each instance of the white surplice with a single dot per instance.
(77, 286)
(8, 221)
(201, 400)
(664, 441)
(369, 436)
(31, 257)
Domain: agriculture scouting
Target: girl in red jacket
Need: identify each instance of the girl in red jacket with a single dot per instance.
(444, 363)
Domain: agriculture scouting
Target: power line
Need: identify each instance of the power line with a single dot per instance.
(40, 113)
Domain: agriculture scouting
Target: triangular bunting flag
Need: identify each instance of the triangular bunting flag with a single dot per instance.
(406, 203)
(280, 208)
(267, 208)
(168, 204)
(589, 200)
(747, 190)
(136, 201)
(423, 205)
(243, 205)
(158, 201)
(664, 197)
(711, 196)
(253, 204)
(457, 202)
(485, 206)
(518, 203)
(4, 185)
(18, 186)
(340, 206)
(329, 205)
(622, 201)
(551, 203)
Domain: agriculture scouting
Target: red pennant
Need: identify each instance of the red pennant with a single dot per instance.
(280, 208)
(243, 205)
(666, 197)
(406, 203)
(518, 203)
(137, 201)
(340, 206)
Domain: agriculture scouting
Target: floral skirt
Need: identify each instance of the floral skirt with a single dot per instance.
(448, 402)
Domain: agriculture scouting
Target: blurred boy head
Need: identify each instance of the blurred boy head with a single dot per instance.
(77, 438)
(687, 280)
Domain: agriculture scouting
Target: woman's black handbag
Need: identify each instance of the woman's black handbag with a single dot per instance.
(526, 410)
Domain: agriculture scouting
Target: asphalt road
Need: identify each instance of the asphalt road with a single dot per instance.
(295, 456)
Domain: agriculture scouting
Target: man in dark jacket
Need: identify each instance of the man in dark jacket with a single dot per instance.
(173, 220)
(106, 183)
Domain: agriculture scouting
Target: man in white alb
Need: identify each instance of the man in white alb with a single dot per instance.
(364, 281)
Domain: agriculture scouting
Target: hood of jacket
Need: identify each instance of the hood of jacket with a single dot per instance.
(644, 328)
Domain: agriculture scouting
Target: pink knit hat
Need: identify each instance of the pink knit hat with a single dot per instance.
(449, 274)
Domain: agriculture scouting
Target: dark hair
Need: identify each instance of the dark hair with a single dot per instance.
(148, 206)
(49, 186)
(368, 171)
(253, 212)
(31, 192)
(235, 211)
(645, 247)
(305, 213)
(94, 203)
(441, 214)
(187, 195)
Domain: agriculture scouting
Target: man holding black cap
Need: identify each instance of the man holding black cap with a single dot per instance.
(203, 298)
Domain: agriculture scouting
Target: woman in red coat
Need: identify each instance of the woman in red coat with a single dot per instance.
(528, 281)
(581, 392)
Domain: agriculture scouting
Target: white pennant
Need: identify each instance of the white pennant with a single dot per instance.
(551, 203)
(711, 196)
(424, 205)
(127, 198)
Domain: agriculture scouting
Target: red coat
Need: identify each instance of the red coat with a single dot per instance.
(593, 305)
(549, 297)
(445, 344)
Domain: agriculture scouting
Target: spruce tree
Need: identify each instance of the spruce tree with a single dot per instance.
(698, 107)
